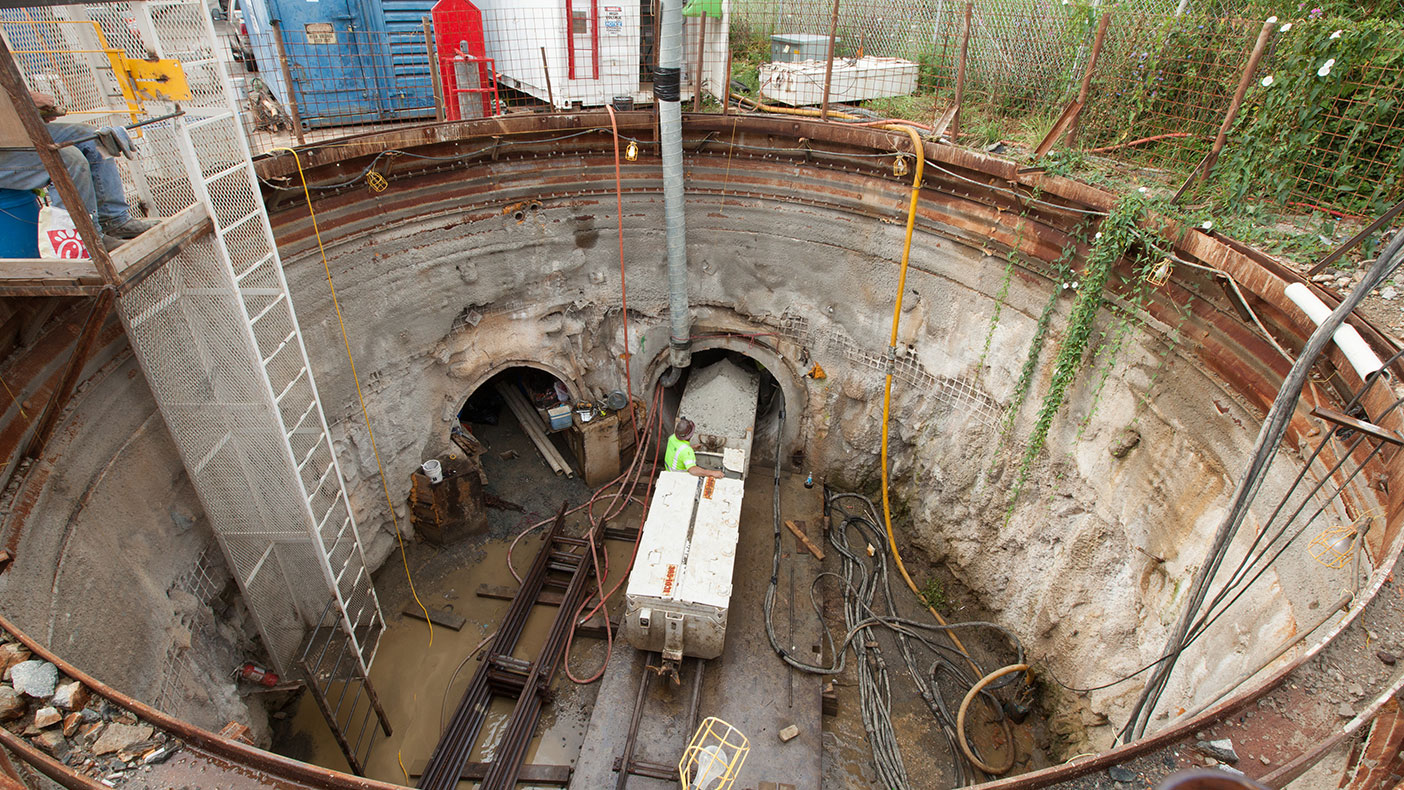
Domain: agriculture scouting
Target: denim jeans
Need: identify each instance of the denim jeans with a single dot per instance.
(95, 175)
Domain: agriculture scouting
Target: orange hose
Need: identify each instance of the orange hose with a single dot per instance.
(623, 292)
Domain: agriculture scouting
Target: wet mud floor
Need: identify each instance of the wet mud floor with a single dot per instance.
(412, 676)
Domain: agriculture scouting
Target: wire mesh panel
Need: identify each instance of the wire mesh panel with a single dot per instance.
(214, 327)
(1168, 77)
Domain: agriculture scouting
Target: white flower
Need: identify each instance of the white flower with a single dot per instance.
(1142, 190)
(1326, 67)
(1272, 20)
(1098, 236)
(1337, 34)
(1208, 225)
(1267, 81)
(1286, 27)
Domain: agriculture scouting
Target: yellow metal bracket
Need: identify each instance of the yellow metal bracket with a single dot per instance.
(158, 79)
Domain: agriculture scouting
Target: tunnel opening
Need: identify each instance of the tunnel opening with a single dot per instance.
(770, 398)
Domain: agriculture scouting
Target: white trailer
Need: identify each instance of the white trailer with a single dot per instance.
(593, 49)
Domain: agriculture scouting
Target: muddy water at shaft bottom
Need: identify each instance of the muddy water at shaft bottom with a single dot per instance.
(412, 676)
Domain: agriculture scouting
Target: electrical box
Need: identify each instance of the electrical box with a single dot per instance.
(721, 400)
(680, 589)
(796, 47)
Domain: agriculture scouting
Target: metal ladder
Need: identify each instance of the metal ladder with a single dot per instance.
(216, 334)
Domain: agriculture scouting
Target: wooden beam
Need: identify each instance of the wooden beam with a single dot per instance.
(133, 258)
(55, 271)
(798, 529)
(443, 617)
(40, 288)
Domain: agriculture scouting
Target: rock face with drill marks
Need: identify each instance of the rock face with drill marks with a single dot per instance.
(1088, 565)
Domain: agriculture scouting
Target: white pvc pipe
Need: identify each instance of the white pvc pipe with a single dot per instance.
(1350, 342)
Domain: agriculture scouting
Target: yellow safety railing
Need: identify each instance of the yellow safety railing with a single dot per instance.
(714, 757)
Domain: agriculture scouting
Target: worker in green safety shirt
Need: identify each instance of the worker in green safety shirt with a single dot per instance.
(679, 456)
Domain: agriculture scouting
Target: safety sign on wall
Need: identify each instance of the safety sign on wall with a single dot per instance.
(613, 20)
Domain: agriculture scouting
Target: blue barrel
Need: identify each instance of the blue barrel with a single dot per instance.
(19, 224)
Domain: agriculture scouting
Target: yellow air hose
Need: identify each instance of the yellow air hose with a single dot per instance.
(920, 152)
(336, 303)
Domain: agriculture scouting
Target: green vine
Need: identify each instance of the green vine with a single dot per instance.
(1010, 264)
(1062, 273)
(1321, 118)
(1129, 319)
(1119, 231)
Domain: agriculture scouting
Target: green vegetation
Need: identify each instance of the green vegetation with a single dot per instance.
(1118, 232)
(933, 594)
(1323, 119)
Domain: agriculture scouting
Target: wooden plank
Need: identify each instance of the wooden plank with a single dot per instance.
(66, 271)
(143, 251)
(558, 775)
(442, 617)
(502, 593)
(798, 529)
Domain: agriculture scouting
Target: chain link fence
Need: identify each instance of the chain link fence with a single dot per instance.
(1163, 80)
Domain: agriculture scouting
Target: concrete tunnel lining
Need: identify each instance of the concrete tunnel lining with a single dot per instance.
(464, 359)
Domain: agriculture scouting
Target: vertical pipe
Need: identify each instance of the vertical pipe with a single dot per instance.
(287, 80)
(1259, 47)
(667, 90)
(434, 66)
(726, 91)
(595, 37)
(701, 53)
(570, 40)
(1087, 75)
(960, 71)
(13, 84)
(829, 63)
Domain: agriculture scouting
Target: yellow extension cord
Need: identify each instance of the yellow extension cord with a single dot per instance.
(920, 151)
(384, 486)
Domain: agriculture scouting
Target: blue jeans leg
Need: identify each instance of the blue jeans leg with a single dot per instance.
(106, 182)
(23, 170)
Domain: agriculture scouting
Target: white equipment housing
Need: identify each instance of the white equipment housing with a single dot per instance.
(802, 83)
(680, 589)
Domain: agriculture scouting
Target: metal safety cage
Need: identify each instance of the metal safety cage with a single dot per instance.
(213, 327)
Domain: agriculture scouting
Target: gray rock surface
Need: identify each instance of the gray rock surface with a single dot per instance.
(34, 678)
(119, 736)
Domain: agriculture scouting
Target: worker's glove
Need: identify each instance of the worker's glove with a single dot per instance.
(114, 141)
